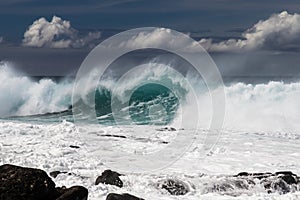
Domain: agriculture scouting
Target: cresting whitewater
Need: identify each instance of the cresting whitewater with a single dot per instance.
(261, 133)
(277, 101)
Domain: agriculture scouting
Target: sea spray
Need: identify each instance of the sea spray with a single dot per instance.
(270, 106)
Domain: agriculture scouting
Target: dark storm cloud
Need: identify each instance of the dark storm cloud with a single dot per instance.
(43, 61)
(61, 62)
(154, 6)
(259, 63)
(12, 2)
(219, 20)
(187, 15)
(59, 6)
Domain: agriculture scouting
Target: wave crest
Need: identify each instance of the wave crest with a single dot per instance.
(273, 106)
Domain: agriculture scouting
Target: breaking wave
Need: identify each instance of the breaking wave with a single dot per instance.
(270, 106)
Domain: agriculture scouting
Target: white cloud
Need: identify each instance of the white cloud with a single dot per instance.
(57, 33)
(159, 38)
(1, 39)
(279, 32)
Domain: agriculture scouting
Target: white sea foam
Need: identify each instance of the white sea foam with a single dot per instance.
(271, 106)
(47, 146)
(19, 95)
(260, 134)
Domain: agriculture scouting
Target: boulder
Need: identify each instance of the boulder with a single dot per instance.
(74, 193)
(282, 182)
(175, 187)
(113, 196)
(255, 175)
(166, 129)
(110, 177)
(20, 183)
(280, 186)
(54, 174)
(289, 179)
(74, 146)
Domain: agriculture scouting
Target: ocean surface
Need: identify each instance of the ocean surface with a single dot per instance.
(260, 133)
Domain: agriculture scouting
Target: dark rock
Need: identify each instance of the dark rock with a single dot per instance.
(19, 183)
(113, 196)
(255, 175)
(54, 174)
(228, 185)
(267, 185)
(280, 186)
(282, 182)
(222, 187)
(166, 129)
(175, 187)
(243, 174)
(285, 173)
(289, 179)
(110, 177)
(74, 193)
(74, 147)
(172, 129)
(61, 190)
(241, 184)
(116, 136)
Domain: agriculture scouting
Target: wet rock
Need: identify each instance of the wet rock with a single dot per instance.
(289, 179)
(74, 193)
(221, 187)
(20, 183)
(74, 147)
(110, 177)
(61, 190)
(113, 196)
(113, 135)
(285, 173)
(280, 186)
(242, 184)
(166, 129)
(54, 174)
(255, 175)
(282, 182)
(243, 174)
(175, 187)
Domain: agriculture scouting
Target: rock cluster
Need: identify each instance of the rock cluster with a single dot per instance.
(281, 182)
(110, 177)
(20, 183)
(175, 187)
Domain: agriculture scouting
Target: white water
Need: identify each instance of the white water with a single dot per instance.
(261, 133)
(272, 106)
(19, 95)
(47, 147)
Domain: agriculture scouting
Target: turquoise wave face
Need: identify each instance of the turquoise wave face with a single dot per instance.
(149, 104)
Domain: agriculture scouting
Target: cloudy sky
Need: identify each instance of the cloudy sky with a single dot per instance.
(52, 37)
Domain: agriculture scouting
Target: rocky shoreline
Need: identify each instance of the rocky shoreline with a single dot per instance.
(21, 183)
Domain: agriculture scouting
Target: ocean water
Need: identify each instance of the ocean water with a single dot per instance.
(260, 133)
